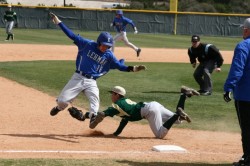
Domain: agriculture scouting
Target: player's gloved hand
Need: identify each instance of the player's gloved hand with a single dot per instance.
(193, 65)
(135, 30)
(227, 96)
(16, 25)
(55, 19)
(137, 68)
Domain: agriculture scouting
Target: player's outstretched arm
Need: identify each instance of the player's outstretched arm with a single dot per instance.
(122, 125)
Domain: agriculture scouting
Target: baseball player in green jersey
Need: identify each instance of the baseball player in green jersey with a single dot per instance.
(10, 19)
(160, 118)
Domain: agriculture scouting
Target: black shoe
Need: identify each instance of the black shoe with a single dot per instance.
(244, 161)
(92, 122)
(12, 36)
(96, 119)
(206, 93)
(54, 111)
(138, 52)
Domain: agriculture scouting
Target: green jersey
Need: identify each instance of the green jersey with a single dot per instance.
(125, 108)
(10, 16)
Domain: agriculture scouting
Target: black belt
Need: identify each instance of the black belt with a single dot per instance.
(85, 75)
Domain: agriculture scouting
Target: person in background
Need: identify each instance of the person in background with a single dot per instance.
(238, 83)
(210, 59)
(10, 18)
(120, 22)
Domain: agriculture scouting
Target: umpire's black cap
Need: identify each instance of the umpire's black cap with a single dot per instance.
(195, 38)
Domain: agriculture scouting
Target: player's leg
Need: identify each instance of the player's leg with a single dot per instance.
(208, 69)
(151, 112)
(69, 92)
(243, 114)
(198, 74)
(127, 43)
(92, 93)
(8, 29)
(117, 37)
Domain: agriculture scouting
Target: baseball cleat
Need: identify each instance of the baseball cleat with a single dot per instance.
(183, 115)
(189, 91)
(54, 111)
(206, 93)
(96, 119)
(138, 52)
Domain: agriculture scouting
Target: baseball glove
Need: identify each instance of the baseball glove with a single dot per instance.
(16, 25)
(94, 121)
(76, 113)
(139, 68)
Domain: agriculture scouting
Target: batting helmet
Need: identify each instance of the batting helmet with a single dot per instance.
(119, 12)
(105, 38)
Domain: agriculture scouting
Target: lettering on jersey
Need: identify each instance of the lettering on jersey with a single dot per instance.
(122, 113)
(99, 59)
(130, 102)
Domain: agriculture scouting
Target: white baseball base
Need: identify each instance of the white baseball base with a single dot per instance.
(169, 148)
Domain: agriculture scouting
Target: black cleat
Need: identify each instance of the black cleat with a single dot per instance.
(54, 111)
(138, 52)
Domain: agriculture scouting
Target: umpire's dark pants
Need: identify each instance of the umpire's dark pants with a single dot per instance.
(243, 113)
(202, 75)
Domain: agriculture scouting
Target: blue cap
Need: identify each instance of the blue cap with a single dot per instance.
(105, 38)
(119, 12)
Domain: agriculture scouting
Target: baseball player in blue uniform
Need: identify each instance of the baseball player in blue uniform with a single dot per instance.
(120, 22)
(160, 118)
(94, 59)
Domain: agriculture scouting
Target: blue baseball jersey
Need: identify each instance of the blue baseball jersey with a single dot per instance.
(238, 80)
(121, 23)
(90, 60)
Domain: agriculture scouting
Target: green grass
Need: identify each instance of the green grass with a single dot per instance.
(91, 162)
(56, 36)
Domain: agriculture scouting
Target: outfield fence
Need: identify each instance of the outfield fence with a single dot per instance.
(181, 23)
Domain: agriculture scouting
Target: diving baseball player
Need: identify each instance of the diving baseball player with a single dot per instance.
(120, 22)
(10, 19)
(160, 118)
(94, 59)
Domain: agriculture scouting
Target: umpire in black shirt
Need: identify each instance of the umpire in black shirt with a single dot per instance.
(209, 59)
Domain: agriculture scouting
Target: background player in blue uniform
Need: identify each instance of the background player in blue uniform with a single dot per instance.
(94, 59)
(120, 22)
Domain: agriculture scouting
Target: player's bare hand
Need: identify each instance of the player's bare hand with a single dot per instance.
(55, 19)
(218, 69)
(139, 68)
